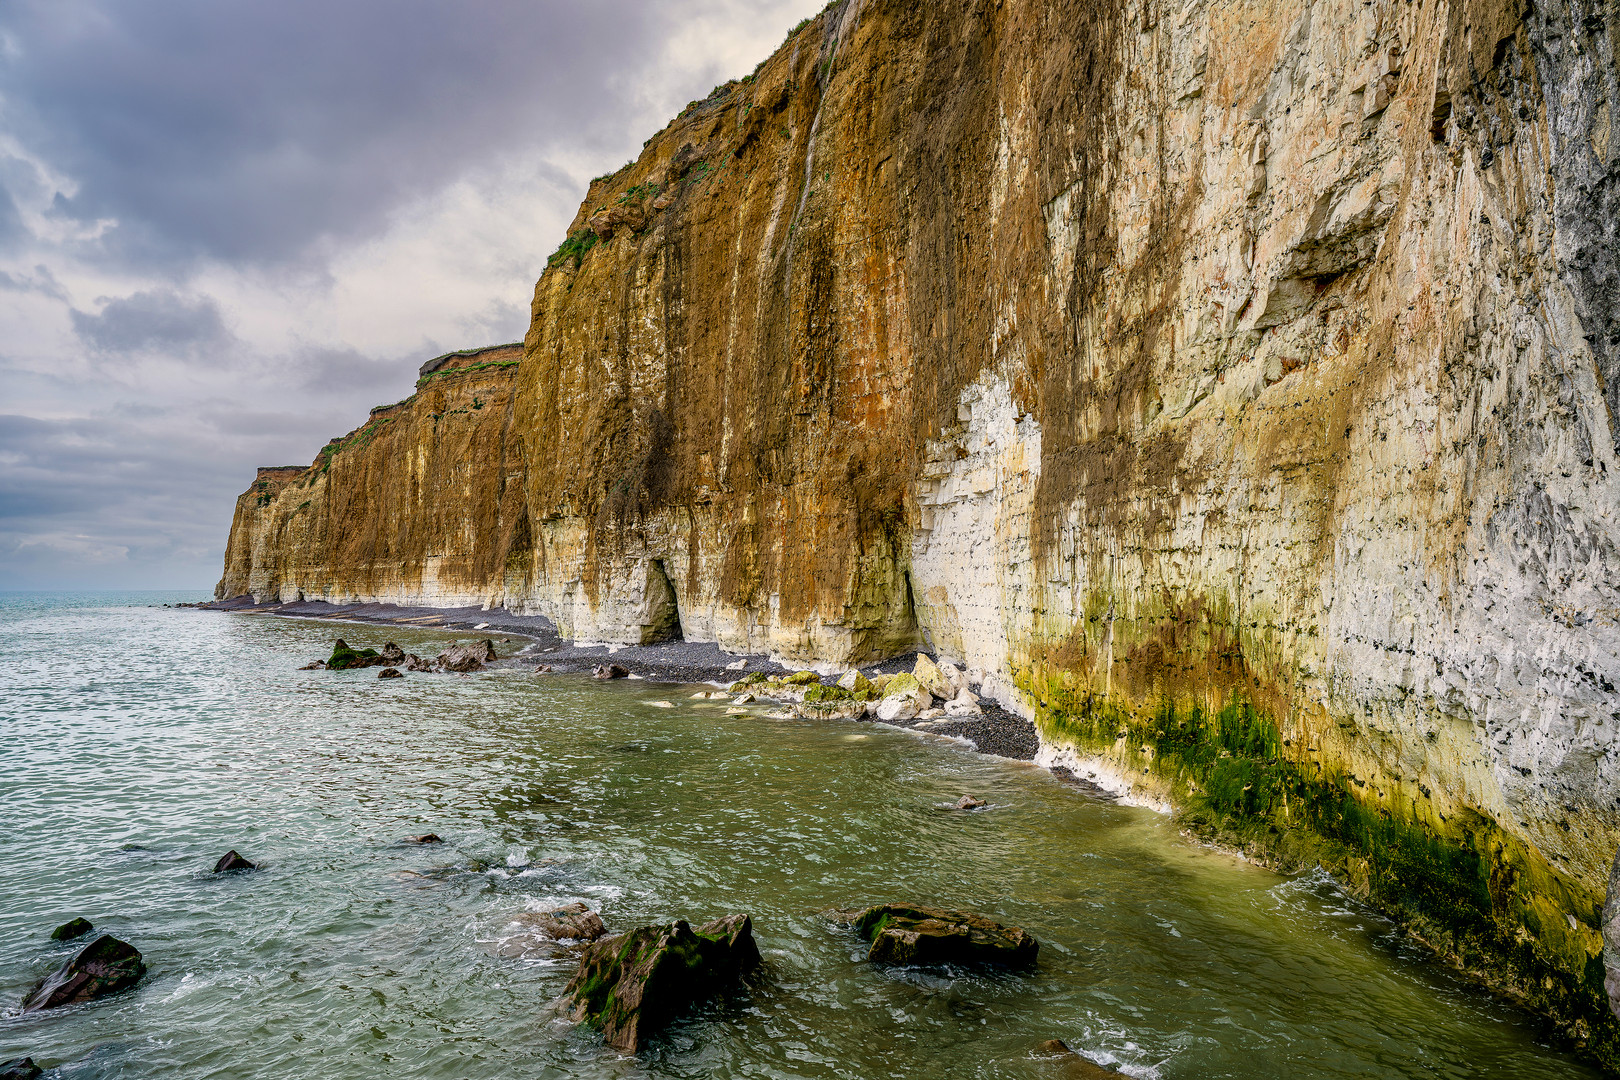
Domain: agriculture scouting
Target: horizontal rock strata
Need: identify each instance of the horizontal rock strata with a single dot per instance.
(1232, 382)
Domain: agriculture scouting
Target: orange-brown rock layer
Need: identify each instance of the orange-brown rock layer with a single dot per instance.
(1231, 381)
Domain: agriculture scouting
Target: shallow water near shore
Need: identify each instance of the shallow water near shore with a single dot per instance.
(139, 743)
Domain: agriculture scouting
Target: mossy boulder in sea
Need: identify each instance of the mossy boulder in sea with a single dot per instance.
(71, 929)
(105, 966)
(912, 935)
(343, 657)
(20, 1069)
(630, 985)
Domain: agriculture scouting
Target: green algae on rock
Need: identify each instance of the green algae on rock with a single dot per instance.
(632, 984)
(909, 934)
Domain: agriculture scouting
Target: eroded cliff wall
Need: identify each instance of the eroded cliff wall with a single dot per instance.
(423, 503)
(1233, 380)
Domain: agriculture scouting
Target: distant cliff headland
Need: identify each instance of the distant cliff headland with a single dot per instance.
(1235, 383)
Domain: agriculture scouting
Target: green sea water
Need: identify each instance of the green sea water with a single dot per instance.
(138, 744)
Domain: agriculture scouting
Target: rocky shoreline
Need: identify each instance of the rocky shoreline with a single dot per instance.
(994, 730)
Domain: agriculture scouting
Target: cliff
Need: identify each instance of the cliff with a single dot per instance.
(1234, 381)
(423, 503)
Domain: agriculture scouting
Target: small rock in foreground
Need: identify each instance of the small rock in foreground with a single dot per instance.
(610, 671)
(71, 929)
(1075, 1066)
(22, 1068)
(390, 673)
(968, 802)
(105, 966)
(908, 934)
(425, 838)
(633, 984)
(232, 861)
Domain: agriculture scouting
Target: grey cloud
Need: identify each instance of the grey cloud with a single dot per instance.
(156, 320)
(245, 131)
(40, 281)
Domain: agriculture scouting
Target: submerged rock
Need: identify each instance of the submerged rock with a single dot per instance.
(1074, 1066)
(910, 934)
(232, 861)
(632, 984)
(575, 922)
(610, 671)
(105, 966)
(425, 838)
(71, 929)
(968, 802)
(314, 665)
(22, 1068)
(390, 673)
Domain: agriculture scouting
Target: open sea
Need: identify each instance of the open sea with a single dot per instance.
(138, 743)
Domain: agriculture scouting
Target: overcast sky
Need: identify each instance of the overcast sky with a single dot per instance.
(229, 227)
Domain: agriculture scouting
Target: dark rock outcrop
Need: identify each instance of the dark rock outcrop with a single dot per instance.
(105, 966)
(416, 663)
(425, 838)
(390, 673)
(610, 671)
(232, 861)
(21, 1068)
(632, 984)
(71, 929)
(392, 654)
(909, 934)
(467, 657)
(344, 658)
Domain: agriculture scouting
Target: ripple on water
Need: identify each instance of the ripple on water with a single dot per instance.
(141, 743)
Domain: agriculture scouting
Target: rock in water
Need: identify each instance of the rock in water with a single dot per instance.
(968, 802)
(465, 657)
(576, 921)
(1074, 1066)
(314, 665)
(71, 929)
(21, 1068)
(610, 671)
(909, 934)
(105, 966)
(630, 985)
(425, 838)
(232, 861)
(343, 657)
(390, 673)
(392, 654)
(416, 663)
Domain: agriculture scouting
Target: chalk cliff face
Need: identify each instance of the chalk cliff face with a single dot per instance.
(423, 503)
(1234, 381)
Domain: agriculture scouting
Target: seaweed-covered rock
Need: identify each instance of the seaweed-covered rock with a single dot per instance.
(855, 682)
(71, 929)
(232, 861)
(910, 934)
(343, 657)
(21, 1068)
(801, 678)
(903, 699)
(105, 966)
(630, 985)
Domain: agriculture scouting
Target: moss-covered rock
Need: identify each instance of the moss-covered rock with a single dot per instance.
(632, 984)
(911, 934)
(801, 678)
(343, 657)
(105, 966)
(931, 679)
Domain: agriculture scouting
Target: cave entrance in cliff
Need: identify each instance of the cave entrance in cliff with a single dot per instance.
(663, 610)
